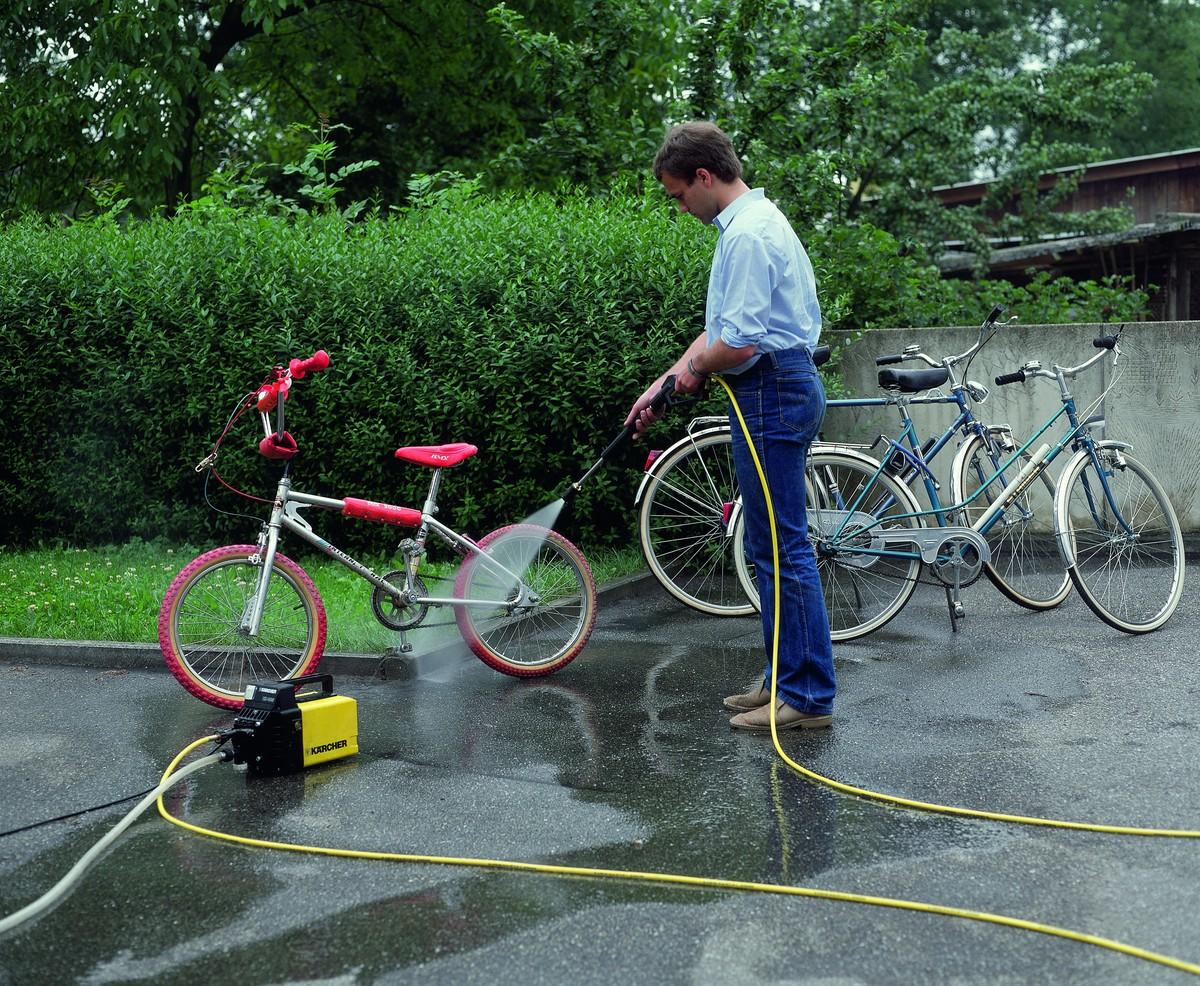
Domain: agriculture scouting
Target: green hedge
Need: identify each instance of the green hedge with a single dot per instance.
(525, 325)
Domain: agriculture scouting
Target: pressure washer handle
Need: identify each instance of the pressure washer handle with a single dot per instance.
(325, 679)
(661, 399)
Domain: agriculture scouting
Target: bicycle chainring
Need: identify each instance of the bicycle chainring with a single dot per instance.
(394, 613)
(958, 563)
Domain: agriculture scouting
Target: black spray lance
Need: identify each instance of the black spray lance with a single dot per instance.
(663, 399)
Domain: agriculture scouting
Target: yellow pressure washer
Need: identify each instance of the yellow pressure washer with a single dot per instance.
(281, 729)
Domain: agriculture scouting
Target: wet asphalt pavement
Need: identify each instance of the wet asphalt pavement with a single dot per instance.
(625, 760)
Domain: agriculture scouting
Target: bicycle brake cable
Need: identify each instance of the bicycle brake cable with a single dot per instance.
(208, 464)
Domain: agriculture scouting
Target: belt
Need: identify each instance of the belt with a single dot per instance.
(774, 360)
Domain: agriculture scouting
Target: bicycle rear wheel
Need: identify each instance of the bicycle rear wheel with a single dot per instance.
(683, 525)
(199, 618)
(746, 572)
(1026, 564)
(1122, 539)
(544, 631)
(864, 586)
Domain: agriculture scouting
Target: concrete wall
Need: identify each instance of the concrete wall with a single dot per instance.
(1151, 398)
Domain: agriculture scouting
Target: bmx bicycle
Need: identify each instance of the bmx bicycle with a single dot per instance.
(524, 598)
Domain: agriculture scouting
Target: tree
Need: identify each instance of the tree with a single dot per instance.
(155, 95)
(114, 90)
(1159, 37)
(855, 110)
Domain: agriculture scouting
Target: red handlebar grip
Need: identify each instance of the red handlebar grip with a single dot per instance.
(317, 362)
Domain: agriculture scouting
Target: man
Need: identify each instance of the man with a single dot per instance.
(762, 320)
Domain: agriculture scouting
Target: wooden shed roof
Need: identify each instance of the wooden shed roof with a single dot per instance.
(1129, 167)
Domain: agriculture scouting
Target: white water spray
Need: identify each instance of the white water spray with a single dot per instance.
(516, 552)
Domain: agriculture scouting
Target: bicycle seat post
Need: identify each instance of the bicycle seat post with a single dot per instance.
(435, 484)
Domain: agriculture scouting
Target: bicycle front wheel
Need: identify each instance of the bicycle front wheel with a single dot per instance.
(1122, 540)
(532, 601)
(203, 608)
(683, 525)
(1026, 564)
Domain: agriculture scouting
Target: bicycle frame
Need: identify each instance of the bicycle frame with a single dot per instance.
(285, 514)
(917, 456)
(1075, 435)
(240, 611)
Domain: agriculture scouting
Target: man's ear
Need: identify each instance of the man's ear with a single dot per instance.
(705, 177)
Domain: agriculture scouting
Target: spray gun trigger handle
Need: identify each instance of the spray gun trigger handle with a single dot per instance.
(663, 397)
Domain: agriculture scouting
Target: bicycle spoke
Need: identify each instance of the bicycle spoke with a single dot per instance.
(1128, 562)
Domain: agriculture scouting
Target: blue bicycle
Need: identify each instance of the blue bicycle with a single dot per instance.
(1110, 520)
(1024, 561)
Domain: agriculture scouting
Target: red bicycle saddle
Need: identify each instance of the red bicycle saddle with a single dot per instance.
(437, 456)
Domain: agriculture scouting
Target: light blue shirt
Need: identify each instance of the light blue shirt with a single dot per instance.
(761, 291)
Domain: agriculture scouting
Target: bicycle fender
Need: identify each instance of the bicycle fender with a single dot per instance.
(666, 453)
(958, 465)
(1061, 506)
(735, 516)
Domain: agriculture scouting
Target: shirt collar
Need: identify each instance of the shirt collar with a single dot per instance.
(727, 215)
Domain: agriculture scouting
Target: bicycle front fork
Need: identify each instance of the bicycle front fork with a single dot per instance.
(268, 541)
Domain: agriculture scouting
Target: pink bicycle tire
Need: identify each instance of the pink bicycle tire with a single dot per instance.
(482, 643)
(193, 573)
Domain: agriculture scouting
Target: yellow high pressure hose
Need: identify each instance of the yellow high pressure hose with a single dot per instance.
(892, 798)
(716, 883)
(708, 883)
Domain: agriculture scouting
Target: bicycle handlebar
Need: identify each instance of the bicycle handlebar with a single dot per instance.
(1007, 378)
(1109, 343)
(317, 362)
(279, 382)
(913, 352)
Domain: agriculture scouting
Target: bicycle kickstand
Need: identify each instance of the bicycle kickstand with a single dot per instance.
(954, 603)
(396, 650)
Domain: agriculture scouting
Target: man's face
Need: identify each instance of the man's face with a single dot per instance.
(697, 198)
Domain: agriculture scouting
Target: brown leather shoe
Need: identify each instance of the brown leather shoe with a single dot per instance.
(759, 720)
(752, 699)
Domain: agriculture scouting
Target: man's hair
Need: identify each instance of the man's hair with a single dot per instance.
(699, 144)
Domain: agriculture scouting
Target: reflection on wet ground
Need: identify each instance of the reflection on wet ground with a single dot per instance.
(625, 760)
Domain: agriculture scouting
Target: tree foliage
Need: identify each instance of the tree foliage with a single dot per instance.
(849, 111)
(853, 110)
(1159, 37)
(158, 94)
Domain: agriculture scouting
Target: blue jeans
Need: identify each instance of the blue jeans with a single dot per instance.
(783, 402)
